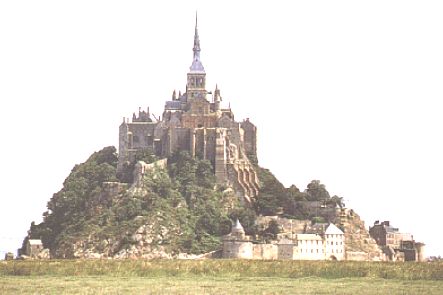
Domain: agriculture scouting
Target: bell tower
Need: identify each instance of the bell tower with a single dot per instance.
(195, 88)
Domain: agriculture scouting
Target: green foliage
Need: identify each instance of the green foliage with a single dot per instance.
(318, 219)
(272, 231)
(272, 193)
(181, 198)
(336, 201)
(295, 194)
(432, 271)
(247, 217)
(314, 202)
(195, 180)
(67, 209)
(145, 155)
(317, 191)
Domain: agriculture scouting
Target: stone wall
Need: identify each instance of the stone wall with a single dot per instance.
(141, 168)
(291, 226)
(238, 249)
(250, 137)
(265, 251)
(357, 256)
(286, 251)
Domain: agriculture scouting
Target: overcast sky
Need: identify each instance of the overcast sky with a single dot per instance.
(347, 92)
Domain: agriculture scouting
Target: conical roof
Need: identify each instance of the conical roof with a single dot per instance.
(237, 227)
(197, 66)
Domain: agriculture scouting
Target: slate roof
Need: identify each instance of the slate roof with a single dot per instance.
(308, 237)
(333, 230)
(237, 227)
(173, 105)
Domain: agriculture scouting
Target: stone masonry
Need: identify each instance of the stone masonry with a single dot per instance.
(205, 129)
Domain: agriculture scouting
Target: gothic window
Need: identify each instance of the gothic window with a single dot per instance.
(135, 138)
(130, 140)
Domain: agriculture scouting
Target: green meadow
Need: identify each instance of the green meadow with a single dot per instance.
(218, 277)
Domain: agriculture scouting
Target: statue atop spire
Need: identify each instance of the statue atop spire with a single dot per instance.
(196, 63)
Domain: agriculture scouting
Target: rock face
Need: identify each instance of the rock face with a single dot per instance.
(150, 241)
(359, 244)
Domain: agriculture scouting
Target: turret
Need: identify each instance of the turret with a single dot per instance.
(195, 87)
(122, 145)
(237, 230)
(217, 98)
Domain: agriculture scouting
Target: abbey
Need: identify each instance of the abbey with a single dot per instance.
(190, 122)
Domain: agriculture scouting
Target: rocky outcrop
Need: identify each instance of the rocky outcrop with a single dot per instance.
(359, 244)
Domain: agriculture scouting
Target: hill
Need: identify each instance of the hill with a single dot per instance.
(172, 209)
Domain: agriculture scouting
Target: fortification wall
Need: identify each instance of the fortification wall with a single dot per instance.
(250, 137)
(141, 168)
(237, 249)
(286, 251)
(265, 251)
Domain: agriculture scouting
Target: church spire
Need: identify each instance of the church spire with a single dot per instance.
(196, 48)
(196, 63)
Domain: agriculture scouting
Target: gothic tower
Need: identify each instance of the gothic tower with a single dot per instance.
(196, 75)
(205, 129)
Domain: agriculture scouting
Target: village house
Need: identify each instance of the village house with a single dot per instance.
(33, 248)
(396, 245)
(326, 245)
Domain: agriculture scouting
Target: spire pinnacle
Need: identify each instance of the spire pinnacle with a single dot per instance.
(196, 48)
(196, 63)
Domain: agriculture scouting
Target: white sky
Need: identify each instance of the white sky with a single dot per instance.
(348, 92)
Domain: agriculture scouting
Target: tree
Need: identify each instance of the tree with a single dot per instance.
(316, 191)
(272, 230)
(272, 194)
(336, 201)
(68, 209)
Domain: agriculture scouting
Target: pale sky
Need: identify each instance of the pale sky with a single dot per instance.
(347, 92)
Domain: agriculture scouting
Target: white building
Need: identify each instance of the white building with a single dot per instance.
(334, 243)
(309, 247)
(327, 245)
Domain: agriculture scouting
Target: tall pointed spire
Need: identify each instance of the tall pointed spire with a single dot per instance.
(196, 48)
(196, 63)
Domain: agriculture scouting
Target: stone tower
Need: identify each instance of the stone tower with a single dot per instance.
(195, 87)
(204, 128)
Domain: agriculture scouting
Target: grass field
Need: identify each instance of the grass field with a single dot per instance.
(218, 277)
